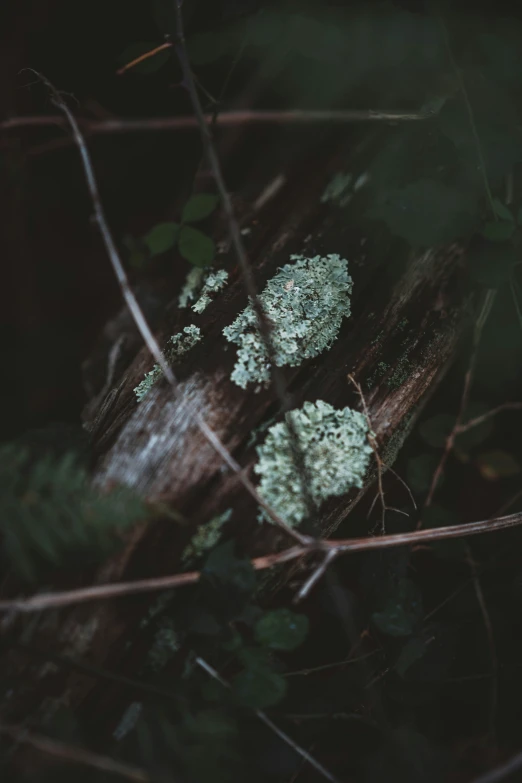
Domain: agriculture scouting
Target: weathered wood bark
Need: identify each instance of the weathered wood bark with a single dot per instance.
(408, 315)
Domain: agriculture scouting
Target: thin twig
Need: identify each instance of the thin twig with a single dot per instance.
(263, 324)
(316, 575)
(271, 725)
(326, 666)
(468, 425)
(43, 601)
(226, 118)
(381, 467)
(139, 318)
(468, 380)
(143, 57)
(75, 755)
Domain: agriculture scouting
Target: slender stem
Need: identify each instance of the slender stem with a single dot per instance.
(43, 601)
(143, 57)
(271, 725)
(226, 118)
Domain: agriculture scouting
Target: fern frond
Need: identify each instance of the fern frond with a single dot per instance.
(50, 514)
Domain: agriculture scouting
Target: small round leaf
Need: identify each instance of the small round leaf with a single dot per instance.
(199, 207)
(161, 238)
(195, 246)
(282, 629)
(259, 688)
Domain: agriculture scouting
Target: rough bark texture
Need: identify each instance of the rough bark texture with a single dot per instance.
(408, 315)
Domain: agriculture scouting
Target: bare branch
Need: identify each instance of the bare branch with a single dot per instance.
(74, 755)
(316, 575)
(468, 425)
(343, 546)
(226, 118)
(143, 57)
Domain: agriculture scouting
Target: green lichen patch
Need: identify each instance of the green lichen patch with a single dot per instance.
(336, 452)
(178, 344)
(200, 285)
(206, 537)
(214, 282)
(305, 303)
(192, 286)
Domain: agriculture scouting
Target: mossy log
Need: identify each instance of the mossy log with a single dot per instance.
(409, 310)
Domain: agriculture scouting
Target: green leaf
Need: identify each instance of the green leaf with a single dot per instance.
(258, 688)
(503, 212)
(161, 238)
(195, 246)
(223, 564)
(401, 611)
(498, 230)
(427, 213)
(199, 207)
(282, 629)
(519, 217)
(435, 431)
(151, 64)
(491, 263)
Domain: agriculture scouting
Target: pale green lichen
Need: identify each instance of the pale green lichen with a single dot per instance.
(192, 286)
(178, 344)
(338, 189)
(201, 285)
(305, 303)
(206, 536)
(213, 283)
(336, 454)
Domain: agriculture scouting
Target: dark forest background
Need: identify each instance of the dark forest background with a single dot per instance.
(413, 672)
